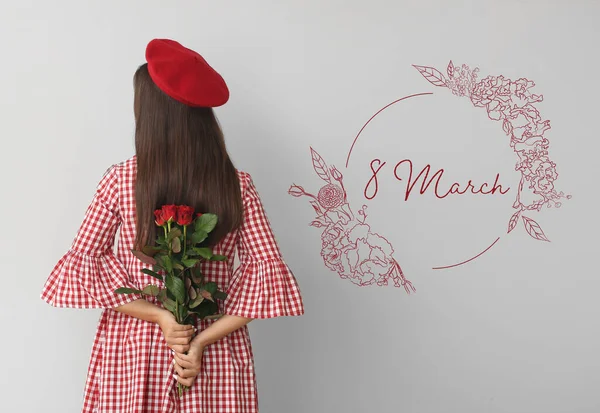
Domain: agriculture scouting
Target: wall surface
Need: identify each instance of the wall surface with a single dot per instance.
(495, 321)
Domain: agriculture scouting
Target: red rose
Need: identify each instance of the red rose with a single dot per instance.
(184, 215)
(169, 213)
(159, 219)
(198, 215)
(331, 196)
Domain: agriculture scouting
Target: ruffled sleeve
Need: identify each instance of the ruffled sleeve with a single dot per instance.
(87, 275)
(263, 286)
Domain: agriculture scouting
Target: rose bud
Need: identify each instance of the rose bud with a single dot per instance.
(159, 219)
(296, 191)
(184, 215)
(337, 175)
(169, 213)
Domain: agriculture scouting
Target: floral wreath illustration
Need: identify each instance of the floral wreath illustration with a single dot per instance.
(350, 248)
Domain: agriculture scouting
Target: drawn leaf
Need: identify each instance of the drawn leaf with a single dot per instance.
(316, 207)
(512, 222)
(316, 224)
(534, 229)
(432, 75)
(450, 69)
(320, 166)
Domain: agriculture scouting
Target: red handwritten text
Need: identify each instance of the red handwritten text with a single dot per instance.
(423, 176)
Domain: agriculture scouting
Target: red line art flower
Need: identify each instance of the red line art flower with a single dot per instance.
(512, 103)
(348, 245)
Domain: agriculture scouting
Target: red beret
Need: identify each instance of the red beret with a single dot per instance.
(184, 75)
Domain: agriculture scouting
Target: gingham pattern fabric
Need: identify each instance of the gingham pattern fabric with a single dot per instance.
(131, 367)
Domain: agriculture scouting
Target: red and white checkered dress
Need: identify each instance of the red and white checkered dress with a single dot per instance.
(131, 366)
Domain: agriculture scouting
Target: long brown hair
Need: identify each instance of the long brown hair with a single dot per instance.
(182, 160)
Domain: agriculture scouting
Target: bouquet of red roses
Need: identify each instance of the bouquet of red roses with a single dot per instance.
(176, 256)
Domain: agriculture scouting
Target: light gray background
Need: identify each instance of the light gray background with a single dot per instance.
(514, 331)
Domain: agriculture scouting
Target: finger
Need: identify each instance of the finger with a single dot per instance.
(178, 369)
(183, 363)
(186, 382)
(192, 354)
(178, 348)
(182, 327)
(185, 357)
(185, 373)
(182, 341)
(181, 333)
(188, 373)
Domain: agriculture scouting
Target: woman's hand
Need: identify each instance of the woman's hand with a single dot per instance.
(187, 366)
(177, 336)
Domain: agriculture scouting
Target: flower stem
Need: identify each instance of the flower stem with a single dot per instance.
(169, 243)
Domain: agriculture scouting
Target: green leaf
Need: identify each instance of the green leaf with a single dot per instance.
(161, 240)
(152, 290)
(197, 276)
(124, 290)
(151, 251)
(207, 308)
(162, 296)
(204, 252)
(165, 262)
(198, 236)
(170, 305)
(220, 295)
(143, 257)
(192, 292)
(206, 222)
(207, 295)
(197, 301)
(176, 286)
(183, 312)
(152, 273)
(190, 262)
(190, 320)
(218, 257)
(211, 287)
(178, 266)
(176, 245)
(174, 233)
